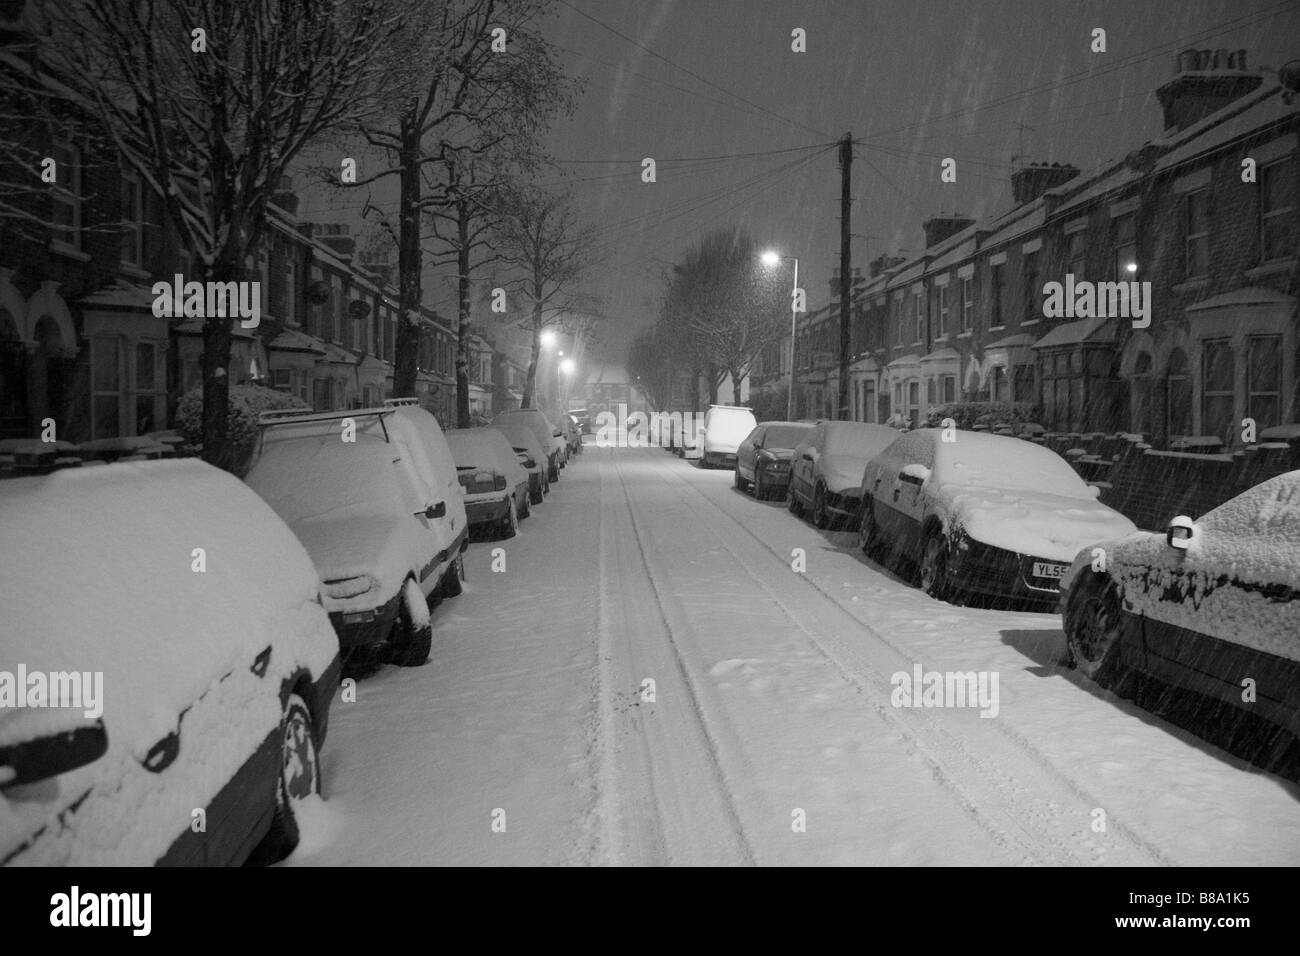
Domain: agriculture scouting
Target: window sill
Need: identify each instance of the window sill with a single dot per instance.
(59, 248)
(997, 328)
(1029, 322)
(964, 335)
(1190, 285)
(133, 272)
(1276, 267)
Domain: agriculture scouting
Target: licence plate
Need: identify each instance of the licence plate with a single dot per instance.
(1045, 569)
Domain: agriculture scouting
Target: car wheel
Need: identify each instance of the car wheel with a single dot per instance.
(820, 517)
(934, 566)
(536, 497)
(510, 524)
(868, 529)
(298, 779)
(552, 471)
(411, 642)
(453, 579)
(527, 508)
(759, 489)
(1093, 635)
(792, 501)
(741, 483)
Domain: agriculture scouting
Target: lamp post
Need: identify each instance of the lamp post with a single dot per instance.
(771, 259)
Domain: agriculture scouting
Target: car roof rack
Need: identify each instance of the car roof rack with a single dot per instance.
(401, 402)
(295, 416)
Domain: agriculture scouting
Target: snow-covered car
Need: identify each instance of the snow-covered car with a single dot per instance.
(528, 449)
(374, 497)
(1202, 607)
(583, 417)
(724, 428)
(763, 458)
(826, 469)
(981, 514)
(495, 481)
(537, 422)
(179, 620)
(572, 434)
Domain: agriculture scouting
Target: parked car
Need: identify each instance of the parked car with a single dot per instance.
(495, 482)
(583, 417)
(572, 434)
(826, 469)
(382, 515)
(529, 451)
(541, 426)
(725, 427)
(981, 514)
(1201, 607)
(560, 445)
(763, 458)
(183, 618)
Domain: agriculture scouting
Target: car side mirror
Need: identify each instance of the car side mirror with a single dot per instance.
(30, 761)
(1180, 533)
(1094, 491)
(433, 511)
(529, 463)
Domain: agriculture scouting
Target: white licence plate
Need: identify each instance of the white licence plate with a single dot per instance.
(1044, 569)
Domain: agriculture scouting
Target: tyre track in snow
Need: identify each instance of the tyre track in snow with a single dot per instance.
(1010, 789)
(664, 795)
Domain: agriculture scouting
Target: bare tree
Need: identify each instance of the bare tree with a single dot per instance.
(211, 102)
(485, 77)
(541, 239)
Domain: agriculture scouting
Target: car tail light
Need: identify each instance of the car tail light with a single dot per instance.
(500, 484)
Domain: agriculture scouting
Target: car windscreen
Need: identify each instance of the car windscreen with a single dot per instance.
(785, 436)
(302, 479)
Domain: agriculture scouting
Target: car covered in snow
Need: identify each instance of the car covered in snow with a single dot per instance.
(978, 513)
(537, 422)
(826, 469)
(1205, 607)
(531, 455)
(165, 660)
(763, 458)
(583, 418)
(495, 481)
(374, 496)
(724, 428)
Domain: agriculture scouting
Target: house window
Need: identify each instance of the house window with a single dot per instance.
(943, 311)
(1217, 388)
(1140, 395)
(967, 304)
(1032, 287)
(998, 383)
(919, 313)
(66, 195)
(1076, 254)
(999, 275)
(282, 379)
(1178, 395)
(1196, 224)
(948, 389)
(930, 392)
(106, 386)
(898, 319)
(1125, 228)
(132, 221)
(1277, 219)
(1264, 380)
(869, 401)
(150, 392)
(914, 402)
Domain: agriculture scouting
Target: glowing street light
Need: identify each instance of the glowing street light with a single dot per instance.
(548, 339)
(772, 259)
(568, 366)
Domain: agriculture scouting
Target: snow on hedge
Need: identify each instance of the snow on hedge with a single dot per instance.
(246, 403)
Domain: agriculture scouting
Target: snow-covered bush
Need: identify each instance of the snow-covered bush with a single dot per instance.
(246, 403)
(969, 414)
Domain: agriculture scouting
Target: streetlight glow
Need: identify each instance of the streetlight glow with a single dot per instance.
(548, 339)
(567, 366)
(770, 259)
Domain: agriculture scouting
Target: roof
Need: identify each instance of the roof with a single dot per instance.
(1249, 296)
(120, 295)
(1073, 333)
(291, 340)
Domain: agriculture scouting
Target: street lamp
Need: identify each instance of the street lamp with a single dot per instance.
(567, 366)
(548, 339)
(771, 259)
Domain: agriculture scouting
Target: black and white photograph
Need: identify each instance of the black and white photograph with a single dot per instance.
(651, 433)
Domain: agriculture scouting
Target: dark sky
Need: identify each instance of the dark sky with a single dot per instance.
(915, 81)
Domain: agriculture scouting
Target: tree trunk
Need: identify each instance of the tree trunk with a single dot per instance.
(531, 382)
(735, 388)
(462, 328)
(407, 346)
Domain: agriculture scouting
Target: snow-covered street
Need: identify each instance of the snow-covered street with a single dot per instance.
(658, 676)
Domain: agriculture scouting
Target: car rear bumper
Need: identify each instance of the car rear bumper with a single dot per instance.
(844, 504)
(488, 511)
(367, 627)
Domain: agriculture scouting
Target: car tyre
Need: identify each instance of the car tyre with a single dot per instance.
(410, 645)
(936, 579)
(1093, 634)
(792, 501)
(741, 483)
(868, 529)
(299, 778)
(510, 524)
(527, 508)
(453, 579)
(759, 489)
(820, 517)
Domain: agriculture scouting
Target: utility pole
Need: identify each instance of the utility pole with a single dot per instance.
(846, 279)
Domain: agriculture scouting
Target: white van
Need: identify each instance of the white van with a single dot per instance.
(725, 427)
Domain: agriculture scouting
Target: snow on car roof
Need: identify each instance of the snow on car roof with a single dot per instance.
(1261, 528)
(303, 479)
(99, 575)
(1000, 461)
(520, 434)
(483, 448)
(857, 439)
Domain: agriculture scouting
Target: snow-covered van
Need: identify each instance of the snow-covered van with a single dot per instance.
(725, 427)
(163, 655)
(826, 468)
(495, 482)
(981, 514)
(1201, 607)
(374, 497)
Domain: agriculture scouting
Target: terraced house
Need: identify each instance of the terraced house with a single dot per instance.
(1207, 214)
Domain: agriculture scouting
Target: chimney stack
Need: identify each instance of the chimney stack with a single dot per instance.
(939, 228)
(1205, 82)
(1030, 182)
